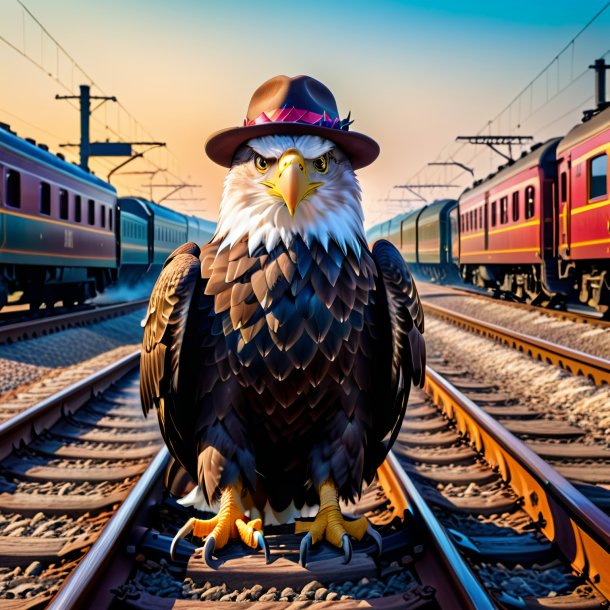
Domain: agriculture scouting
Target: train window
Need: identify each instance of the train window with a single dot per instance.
(564, 187)
(516, 206)
(481, 217)
(91, 212)
(471, 220)
(77, 208)
(63, 204)
(45, 198)
(598, 176)
(504, 210)
(110, 219)
(103, 216)
(493, 214)
(13, 188)
(530, 201)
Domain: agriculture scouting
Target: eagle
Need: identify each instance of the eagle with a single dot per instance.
(279, 356)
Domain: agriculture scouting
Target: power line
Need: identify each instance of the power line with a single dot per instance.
(449, 153)
(78, 74)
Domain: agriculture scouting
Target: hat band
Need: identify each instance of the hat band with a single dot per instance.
(294, 115)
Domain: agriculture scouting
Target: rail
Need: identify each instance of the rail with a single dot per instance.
(566, 517)
(574, 361)
(42, 326)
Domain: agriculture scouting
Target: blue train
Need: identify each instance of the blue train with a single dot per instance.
(428, 239)
(66, 236)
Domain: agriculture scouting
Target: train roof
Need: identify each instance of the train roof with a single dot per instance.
(439, 203)
(584, 131)
(24, 148)
(132, 204)
(540, 153)
(433, 205)
(204, 222)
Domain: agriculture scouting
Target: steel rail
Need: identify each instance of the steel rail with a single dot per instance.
(563, 314)
(573, 361)
(42, 326)
(467, 593)
(76, 591)
(566, 517)
(25, 426)
(443, 563)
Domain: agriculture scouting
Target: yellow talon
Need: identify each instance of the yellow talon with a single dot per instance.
(228, 524)
(329, 523)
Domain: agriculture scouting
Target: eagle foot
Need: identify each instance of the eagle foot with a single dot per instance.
(330, 525)
(229, 524)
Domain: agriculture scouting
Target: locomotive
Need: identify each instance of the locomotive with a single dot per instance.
(66, 236)
(537, 230)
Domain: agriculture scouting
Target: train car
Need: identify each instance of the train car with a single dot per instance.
(408, 238)
(583, 232)
(169, 232)
(57, 226)
(135, 238)
(427, 238)
(504, 234)
(199, 230)
(394, 230)
(150, 233)
(438, 240)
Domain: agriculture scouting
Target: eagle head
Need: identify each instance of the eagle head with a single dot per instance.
(283, 186)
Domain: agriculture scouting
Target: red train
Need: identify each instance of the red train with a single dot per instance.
(538, 229)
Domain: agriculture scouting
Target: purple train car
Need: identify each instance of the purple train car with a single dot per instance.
(57, 226)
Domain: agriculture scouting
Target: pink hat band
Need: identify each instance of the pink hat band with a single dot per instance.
(294, 115)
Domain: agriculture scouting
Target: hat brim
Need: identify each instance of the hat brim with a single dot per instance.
(222, 145)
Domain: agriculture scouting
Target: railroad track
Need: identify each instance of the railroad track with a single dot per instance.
(589, 317)
(27, 328)
(470, 518)
(483, 527)
(419, 567)
(66, 464)
(574, 361)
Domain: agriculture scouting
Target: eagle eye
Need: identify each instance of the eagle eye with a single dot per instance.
(261, 164)
(321, 164)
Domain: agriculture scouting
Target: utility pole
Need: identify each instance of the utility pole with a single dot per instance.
(98, 149)
(600, 68)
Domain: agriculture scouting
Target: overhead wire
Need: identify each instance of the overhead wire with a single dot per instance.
(455, 149)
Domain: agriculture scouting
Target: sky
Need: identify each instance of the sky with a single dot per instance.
(413, 74)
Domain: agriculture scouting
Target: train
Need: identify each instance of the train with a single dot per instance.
(537, 230)
(66, 236)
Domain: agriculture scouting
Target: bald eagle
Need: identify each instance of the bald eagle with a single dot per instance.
(280, 355)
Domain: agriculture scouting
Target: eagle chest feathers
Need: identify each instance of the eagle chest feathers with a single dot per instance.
(292, 334)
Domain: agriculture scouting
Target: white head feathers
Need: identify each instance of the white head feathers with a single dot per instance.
(333, 211)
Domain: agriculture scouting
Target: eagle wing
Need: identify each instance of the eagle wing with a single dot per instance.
(399, 298)
(166, 327)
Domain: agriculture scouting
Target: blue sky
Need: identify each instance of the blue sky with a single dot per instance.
(414, 74)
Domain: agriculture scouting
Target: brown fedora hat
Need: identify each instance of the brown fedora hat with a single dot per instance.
(298, 105)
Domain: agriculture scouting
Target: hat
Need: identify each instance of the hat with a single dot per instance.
(297, 105)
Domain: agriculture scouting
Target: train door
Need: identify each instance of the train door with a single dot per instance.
(117, 233)
(548, 216)
(486, 221)
(564, 207)
(454, 236)
(2, 199)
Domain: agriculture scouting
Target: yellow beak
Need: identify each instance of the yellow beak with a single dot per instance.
(290, 180)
